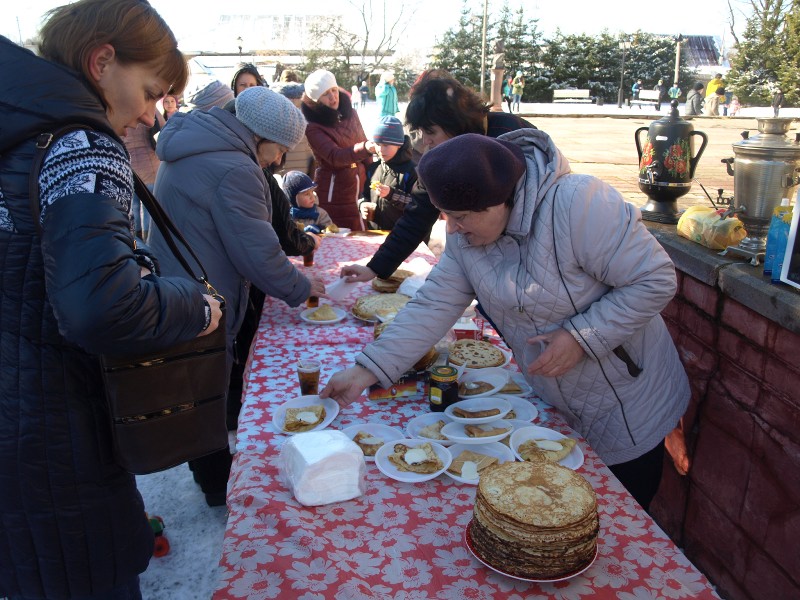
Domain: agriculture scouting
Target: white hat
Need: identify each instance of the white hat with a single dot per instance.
(318, 83)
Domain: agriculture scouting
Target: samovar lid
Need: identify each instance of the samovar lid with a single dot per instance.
(771, 140)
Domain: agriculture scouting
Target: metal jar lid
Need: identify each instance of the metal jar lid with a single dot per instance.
(444, 373)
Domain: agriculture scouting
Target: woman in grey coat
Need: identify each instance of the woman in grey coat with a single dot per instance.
(565, 268)
(211, 184)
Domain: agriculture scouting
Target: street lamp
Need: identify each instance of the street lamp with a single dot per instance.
(678, 41)
(483, 43)
(240, 43)
(624, 45)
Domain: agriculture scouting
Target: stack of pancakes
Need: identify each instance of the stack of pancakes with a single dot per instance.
(534, 520)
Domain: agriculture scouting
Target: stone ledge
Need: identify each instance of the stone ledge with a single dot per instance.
(735, 278)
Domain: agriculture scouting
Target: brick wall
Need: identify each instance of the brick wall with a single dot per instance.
(736, 513)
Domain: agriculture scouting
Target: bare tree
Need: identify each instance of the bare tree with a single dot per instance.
(382, 31)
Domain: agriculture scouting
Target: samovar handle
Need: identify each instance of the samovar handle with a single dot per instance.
(693, 161)
(639, 143)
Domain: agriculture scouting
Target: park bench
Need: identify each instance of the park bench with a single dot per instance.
(645, 97)
(572, 96)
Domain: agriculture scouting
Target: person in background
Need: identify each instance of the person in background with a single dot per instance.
(299, 158)
(517, 88)
(75, 287)
(711, 105)
(355, 95)
(674, 92)
(661, 88)
(715, 83)
(289, 76)
(386, 95)
(777, 101)
(208, 93)
(507, 93)
(390, 181)
(246, 76)
(566, 268)
(140, 142)
(306, 213)
(364, 91)
(171, 104)
(340, 148)
(212, 186)
(694, 100)
(635, 88)
(440, 108)
(735, 106)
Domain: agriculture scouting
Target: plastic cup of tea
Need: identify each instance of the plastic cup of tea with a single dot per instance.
(308, 375)
(308, 259)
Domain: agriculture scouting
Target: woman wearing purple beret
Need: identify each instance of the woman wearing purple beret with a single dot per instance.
(566, 269)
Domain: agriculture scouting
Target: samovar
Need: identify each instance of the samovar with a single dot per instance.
(765, 169)
(666, 164)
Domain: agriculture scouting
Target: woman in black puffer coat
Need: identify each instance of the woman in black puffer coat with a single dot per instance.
(72, 523)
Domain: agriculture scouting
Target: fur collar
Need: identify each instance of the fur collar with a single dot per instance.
(314, 112)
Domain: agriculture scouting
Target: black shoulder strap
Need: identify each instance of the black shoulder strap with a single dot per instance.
(160, 218)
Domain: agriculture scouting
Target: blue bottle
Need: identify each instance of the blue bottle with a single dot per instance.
(780, 246)
(772, 236)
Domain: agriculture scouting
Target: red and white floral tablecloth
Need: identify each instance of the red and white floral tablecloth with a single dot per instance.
(399, 541)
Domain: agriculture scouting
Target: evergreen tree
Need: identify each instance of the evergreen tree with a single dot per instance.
(789, 69)
(523, 52)
(460, 49)
(761, 53)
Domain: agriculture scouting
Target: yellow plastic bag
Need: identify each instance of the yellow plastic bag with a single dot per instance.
(703, 225)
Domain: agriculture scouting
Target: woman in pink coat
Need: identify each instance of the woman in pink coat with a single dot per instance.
(340, 148)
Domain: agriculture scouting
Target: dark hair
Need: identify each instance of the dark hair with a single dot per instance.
(246, 68)
(133, 28)
(698, 85)
(436, 98)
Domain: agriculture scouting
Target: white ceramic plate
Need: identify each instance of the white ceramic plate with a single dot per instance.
(501, 451)
(519, 379)
(375, 320)
(388, 469)
(331, 410)
(385, 432)
(340, 314)
(455, 433)
(494, 376)
(524, 410)
(475, 404)
(573, 460)
(468, 540)
(343, 231)
(414, 426)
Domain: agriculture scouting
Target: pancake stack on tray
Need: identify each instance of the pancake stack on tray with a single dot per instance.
(534, 520)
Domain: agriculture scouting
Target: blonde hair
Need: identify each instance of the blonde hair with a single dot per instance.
(136, 31)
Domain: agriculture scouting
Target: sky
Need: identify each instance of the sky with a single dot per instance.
(188, 17)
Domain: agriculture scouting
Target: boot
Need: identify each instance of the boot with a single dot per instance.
(211, 473)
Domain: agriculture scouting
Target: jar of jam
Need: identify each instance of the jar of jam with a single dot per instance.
(444, 388)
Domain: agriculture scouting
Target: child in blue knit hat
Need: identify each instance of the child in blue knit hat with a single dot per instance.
(389, 181)
(309, 217)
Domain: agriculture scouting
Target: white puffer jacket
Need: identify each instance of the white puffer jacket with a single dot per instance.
(609, 267)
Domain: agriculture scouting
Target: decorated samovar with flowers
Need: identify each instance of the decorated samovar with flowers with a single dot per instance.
(666, 164)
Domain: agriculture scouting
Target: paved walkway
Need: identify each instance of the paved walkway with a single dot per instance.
(599, 141)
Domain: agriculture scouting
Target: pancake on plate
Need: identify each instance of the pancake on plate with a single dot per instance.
(368, 307)
(421, 459)
(549, 450)
(303, 418)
